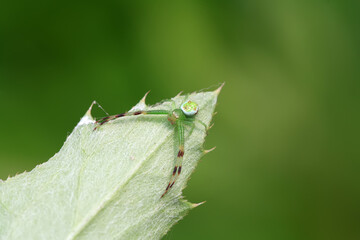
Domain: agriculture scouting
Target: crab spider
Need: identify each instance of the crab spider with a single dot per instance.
(178, 117)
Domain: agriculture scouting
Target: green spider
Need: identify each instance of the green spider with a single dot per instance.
(178, 117)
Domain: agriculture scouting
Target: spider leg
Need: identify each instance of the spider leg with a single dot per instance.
(191, 124)
(109, 118)
(178, 163)
(202, 123)
(190, 121)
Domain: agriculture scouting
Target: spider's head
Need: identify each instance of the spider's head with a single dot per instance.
(189, 108)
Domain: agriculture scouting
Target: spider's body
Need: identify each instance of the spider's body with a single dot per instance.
(178, 117)
(175, 116)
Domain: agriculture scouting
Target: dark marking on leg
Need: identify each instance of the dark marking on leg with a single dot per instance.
(120, 115)
(167, 188)
(175, 168)
(138, 112)
(180, 153)
(103, 119)
(179, 171)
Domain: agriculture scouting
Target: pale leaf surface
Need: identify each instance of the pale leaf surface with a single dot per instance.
(106, 184)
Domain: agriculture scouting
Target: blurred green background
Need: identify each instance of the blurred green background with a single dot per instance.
(287, 130)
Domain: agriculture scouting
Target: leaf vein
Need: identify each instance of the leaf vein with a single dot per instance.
(111, 196)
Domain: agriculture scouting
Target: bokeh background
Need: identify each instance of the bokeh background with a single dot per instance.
(287, 130)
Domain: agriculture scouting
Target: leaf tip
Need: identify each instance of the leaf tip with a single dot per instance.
(194, 205)
(217, 91)
(209, 150)
(141, 104)
(144, 98)
(179, 94)
(87, 118)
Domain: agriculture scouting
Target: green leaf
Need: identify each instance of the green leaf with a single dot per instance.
(106, 184)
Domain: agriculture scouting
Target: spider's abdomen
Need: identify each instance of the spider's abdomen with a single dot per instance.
(189, 108)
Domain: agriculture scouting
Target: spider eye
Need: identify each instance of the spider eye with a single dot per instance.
(189, 108)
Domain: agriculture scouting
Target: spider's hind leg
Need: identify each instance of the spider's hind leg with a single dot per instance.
(178, 163)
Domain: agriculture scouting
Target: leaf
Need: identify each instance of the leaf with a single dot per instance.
(106, 184)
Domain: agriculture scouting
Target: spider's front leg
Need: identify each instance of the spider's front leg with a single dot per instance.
(150, 112)
(178, 163)
(191, 122)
